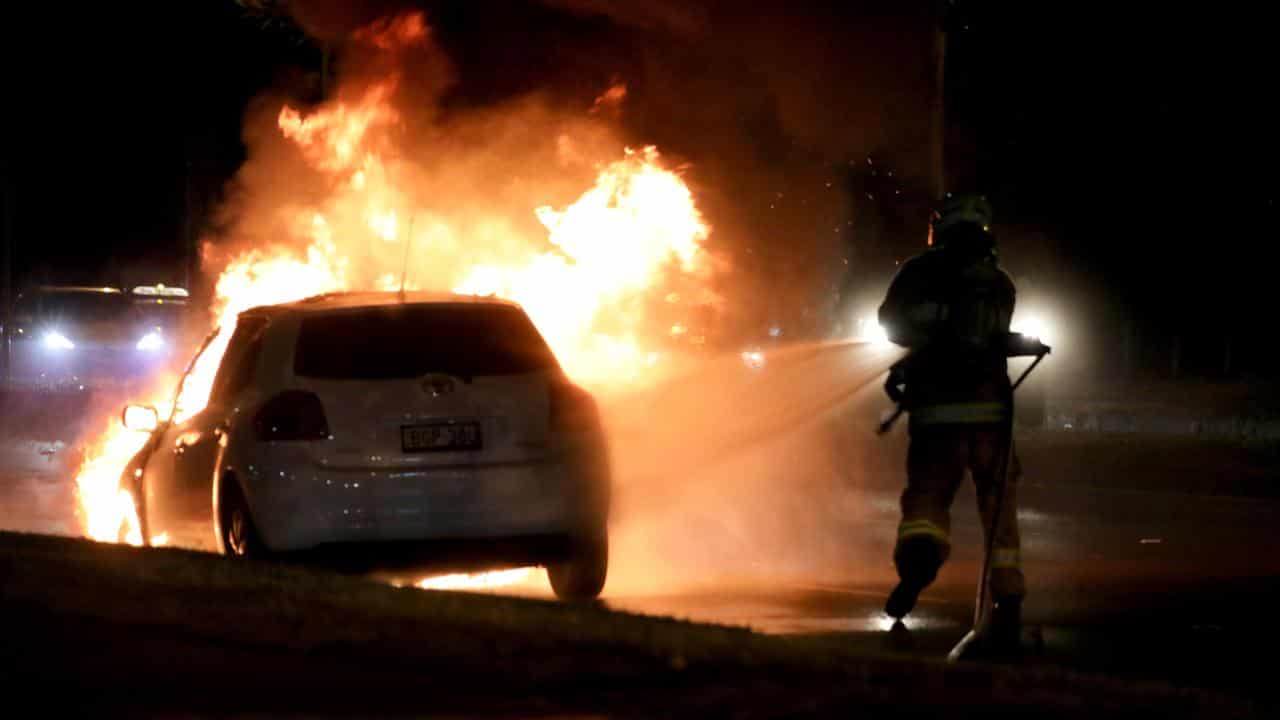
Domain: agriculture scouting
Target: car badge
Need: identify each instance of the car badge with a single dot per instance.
(438, 385)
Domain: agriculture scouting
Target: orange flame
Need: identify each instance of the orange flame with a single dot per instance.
(611, 100)
(335, 140)
(395, 33)
(106, 509)
(614, 244)
(477, 581)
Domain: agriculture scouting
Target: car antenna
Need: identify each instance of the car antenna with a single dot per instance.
(404, 267)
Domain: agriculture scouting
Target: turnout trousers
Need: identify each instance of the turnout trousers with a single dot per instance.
(938, 458)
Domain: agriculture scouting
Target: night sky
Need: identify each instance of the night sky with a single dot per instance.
(1131, 153)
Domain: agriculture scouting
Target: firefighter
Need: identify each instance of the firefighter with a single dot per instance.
(951, 307)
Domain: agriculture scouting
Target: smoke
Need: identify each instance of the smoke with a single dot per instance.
(679, 17)
(738, 475)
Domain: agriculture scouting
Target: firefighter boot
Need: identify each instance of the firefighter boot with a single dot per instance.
(918, 560)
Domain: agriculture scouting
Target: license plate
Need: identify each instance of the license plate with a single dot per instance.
(438, 437)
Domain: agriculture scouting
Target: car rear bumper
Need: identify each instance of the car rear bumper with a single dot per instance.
(297, 506)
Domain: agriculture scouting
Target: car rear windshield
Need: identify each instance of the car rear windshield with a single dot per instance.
(413, 340)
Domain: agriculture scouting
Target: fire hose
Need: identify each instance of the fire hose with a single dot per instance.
(1018, 346)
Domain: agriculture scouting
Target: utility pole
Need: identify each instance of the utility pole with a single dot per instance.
(958, 68)
(938, 131)
(186, 221)
(7, 208)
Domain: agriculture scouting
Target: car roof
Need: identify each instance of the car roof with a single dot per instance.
(355, 300)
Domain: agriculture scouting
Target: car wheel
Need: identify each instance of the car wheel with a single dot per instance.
(581, 576)
(239, 535)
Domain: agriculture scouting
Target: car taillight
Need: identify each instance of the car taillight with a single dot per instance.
(572, 409)
(290, 416)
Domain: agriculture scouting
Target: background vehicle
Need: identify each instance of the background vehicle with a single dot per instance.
(81, 337)
(375, 426)
(163, 308)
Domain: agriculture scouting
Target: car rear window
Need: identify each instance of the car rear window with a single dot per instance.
(413, 340)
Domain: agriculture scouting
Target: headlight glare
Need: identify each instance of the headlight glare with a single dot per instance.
(55, 340)
(151, 341)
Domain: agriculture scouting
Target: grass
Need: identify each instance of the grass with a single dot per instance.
(165, 631)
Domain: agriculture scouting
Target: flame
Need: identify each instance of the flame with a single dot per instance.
(611, 99)
(586, 281)
(335, 141)
(395, 33)
(615, 243)
(106, 509)
(476, 581)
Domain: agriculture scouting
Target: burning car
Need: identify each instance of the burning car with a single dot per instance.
(380, 424)
(65, 336)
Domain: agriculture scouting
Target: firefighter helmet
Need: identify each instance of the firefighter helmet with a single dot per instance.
(960, 208)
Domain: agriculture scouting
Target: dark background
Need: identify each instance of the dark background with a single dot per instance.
(1130, 153)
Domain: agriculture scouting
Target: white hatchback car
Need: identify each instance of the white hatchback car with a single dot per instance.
(377, 425)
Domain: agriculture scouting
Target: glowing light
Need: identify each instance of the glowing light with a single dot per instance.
(1034, 326)
(151, 341)
(753, 359)
(55, 340)
(870, 331)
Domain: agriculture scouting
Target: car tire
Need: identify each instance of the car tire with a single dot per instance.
(581, 576)
(238, 535)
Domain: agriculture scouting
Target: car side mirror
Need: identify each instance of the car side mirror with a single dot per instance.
(140, 418)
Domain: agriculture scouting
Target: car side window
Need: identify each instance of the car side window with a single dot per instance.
(240, 361)
(241, 375)
(192, 395)
(196, 390)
